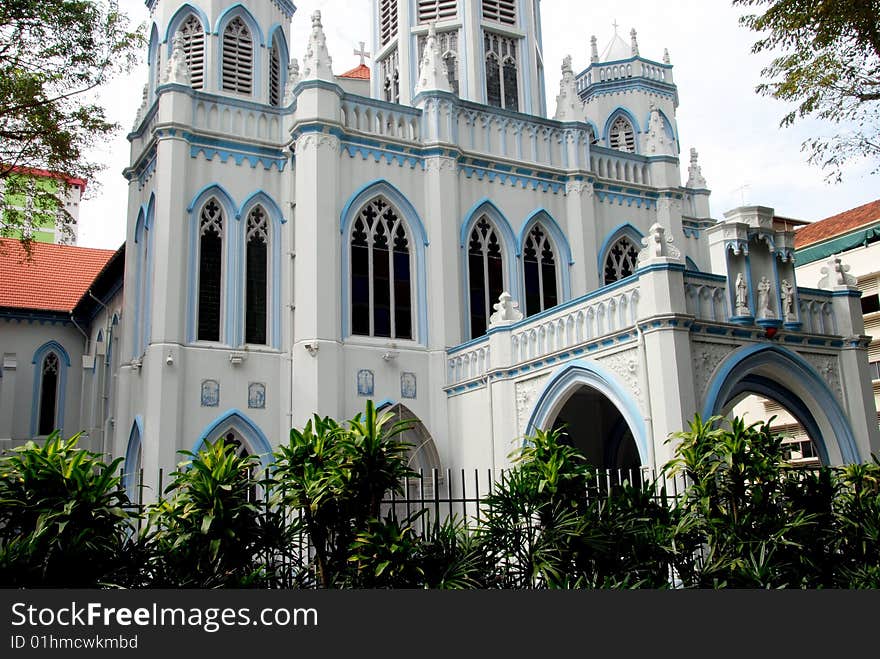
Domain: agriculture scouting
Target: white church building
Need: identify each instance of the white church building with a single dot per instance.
(425, 236)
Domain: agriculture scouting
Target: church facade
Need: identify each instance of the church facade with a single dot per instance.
(300, 241)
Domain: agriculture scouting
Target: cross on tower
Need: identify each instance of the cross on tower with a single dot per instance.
(615, 26)
(362, 53)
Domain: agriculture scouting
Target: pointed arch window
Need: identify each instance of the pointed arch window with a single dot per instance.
(485, 274)
(621, 261)
(211, 230)
(194, 47)
(622, 136)
(238, 57)
(502, 86)
(539, 270)
(256, 276)
(49, 377)
(381, 273)
(275, 75)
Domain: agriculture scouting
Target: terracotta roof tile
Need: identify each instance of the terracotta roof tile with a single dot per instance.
(54, 279)
(360, 72)
(837, 225)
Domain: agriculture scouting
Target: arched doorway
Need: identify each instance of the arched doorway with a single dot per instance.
(780, 375)
(599, 416)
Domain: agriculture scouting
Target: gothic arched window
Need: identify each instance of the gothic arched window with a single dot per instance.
(256, 276)
(621, 260)
(194, 48)
(502, 86)
(48, 404)
(237, 57)
(381, 273)
(539, 270)
(622, 136)
(211, 229)
(275, 74)
(485, 274)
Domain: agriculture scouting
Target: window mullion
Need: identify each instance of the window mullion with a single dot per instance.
(371, 283)
(487, 299)
(391, 281)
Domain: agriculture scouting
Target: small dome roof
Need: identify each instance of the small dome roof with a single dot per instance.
(617, 49)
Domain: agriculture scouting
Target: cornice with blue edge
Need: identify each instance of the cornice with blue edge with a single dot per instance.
(608, 341)
(23, 316)
(609, 87)
(143, 167)
(148, 116)
(615, 194)
(240, 152)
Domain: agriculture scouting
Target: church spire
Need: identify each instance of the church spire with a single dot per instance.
(317, 63)
(433, 74)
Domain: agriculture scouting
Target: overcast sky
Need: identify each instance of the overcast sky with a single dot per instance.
(735, 131)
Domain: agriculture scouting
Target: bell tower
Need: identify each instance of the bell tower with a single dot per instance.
(492, 50)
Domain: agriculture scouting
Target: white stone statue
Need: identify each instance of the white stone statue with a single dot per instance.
(506, 311)
(788, 302)
(764, 310)
(742, 296)
(177, 70)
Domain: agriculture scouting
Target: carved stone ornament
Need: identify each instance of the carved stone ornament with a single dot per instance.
(835, 273)
(626, 365)
(707, 357)
(765, 309)
(828, 369)
(293, 78)
(742, 296)
(317, 63)
(657, 245)
(696, 180)
(568, 103)
(506, 311)
(657, 142)
(177, 70)
(526, 393)
(788, 313)
(433, 74)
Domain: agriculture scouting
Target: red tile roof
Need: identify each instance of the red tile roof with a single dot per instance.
(360, 72)
(837, 225)
(53, 279)
(71, 180)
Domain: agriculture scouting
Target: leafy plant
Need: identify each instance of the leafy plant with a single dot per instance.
(63, 517)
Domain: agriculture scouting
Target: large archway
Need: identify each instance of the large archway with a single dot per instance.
(783, 376)
(598, 415)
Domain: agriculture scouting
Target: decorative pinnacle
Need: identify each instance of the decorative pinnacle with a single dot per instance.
(635, 42)
(594, 50)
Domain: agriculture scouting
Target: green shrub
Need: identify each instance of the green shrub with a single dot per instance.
(63, 520)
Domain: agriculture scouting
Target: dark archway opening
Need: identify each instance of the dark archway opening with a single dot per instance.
(595, 427)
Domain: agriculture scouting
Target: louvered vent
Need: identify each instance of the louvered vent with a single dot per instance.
(275, 76)
(502, 11)
(437, 10)
(238, 58)
(387, 21)
(194, 47)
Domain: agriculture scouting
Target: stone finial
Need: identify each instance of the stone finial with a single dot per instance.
(657, 141)
(293, 78)
(568, 105)
(634, 40)
(696, 180)
(657, 245)
(666, 58)
(433, 74)
(143, 107)
(177, 70)
(594, 50)
(506, 311)
(317, 63)
(835, 274)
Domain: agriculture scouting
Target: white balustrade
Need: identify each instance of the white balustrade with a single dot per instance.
(816, 312)
(706, 297)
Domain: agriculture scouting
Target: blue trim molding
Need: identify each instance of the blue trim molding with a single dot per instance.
(238, 421)
(63, 364)
(135, 447)
(570, 377)
(783, 365)
(179, 17)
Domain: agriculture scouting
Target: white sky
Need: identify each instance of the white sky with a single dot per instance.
(735, 131)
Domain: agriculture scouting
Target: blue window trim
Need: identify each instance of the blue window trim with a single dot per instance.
(139, 266)
(135, 446)
(568, 378)
(511, 253)
(152, 63)
(626, 230)
(238, 421)
(276, 220)
(179, 17)
(562, 249)
(419, 236)
(63, 364)
(148, 274)
(746, 361)
(238, 10)
(618, 111)
(283, 54)
(230, 236)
